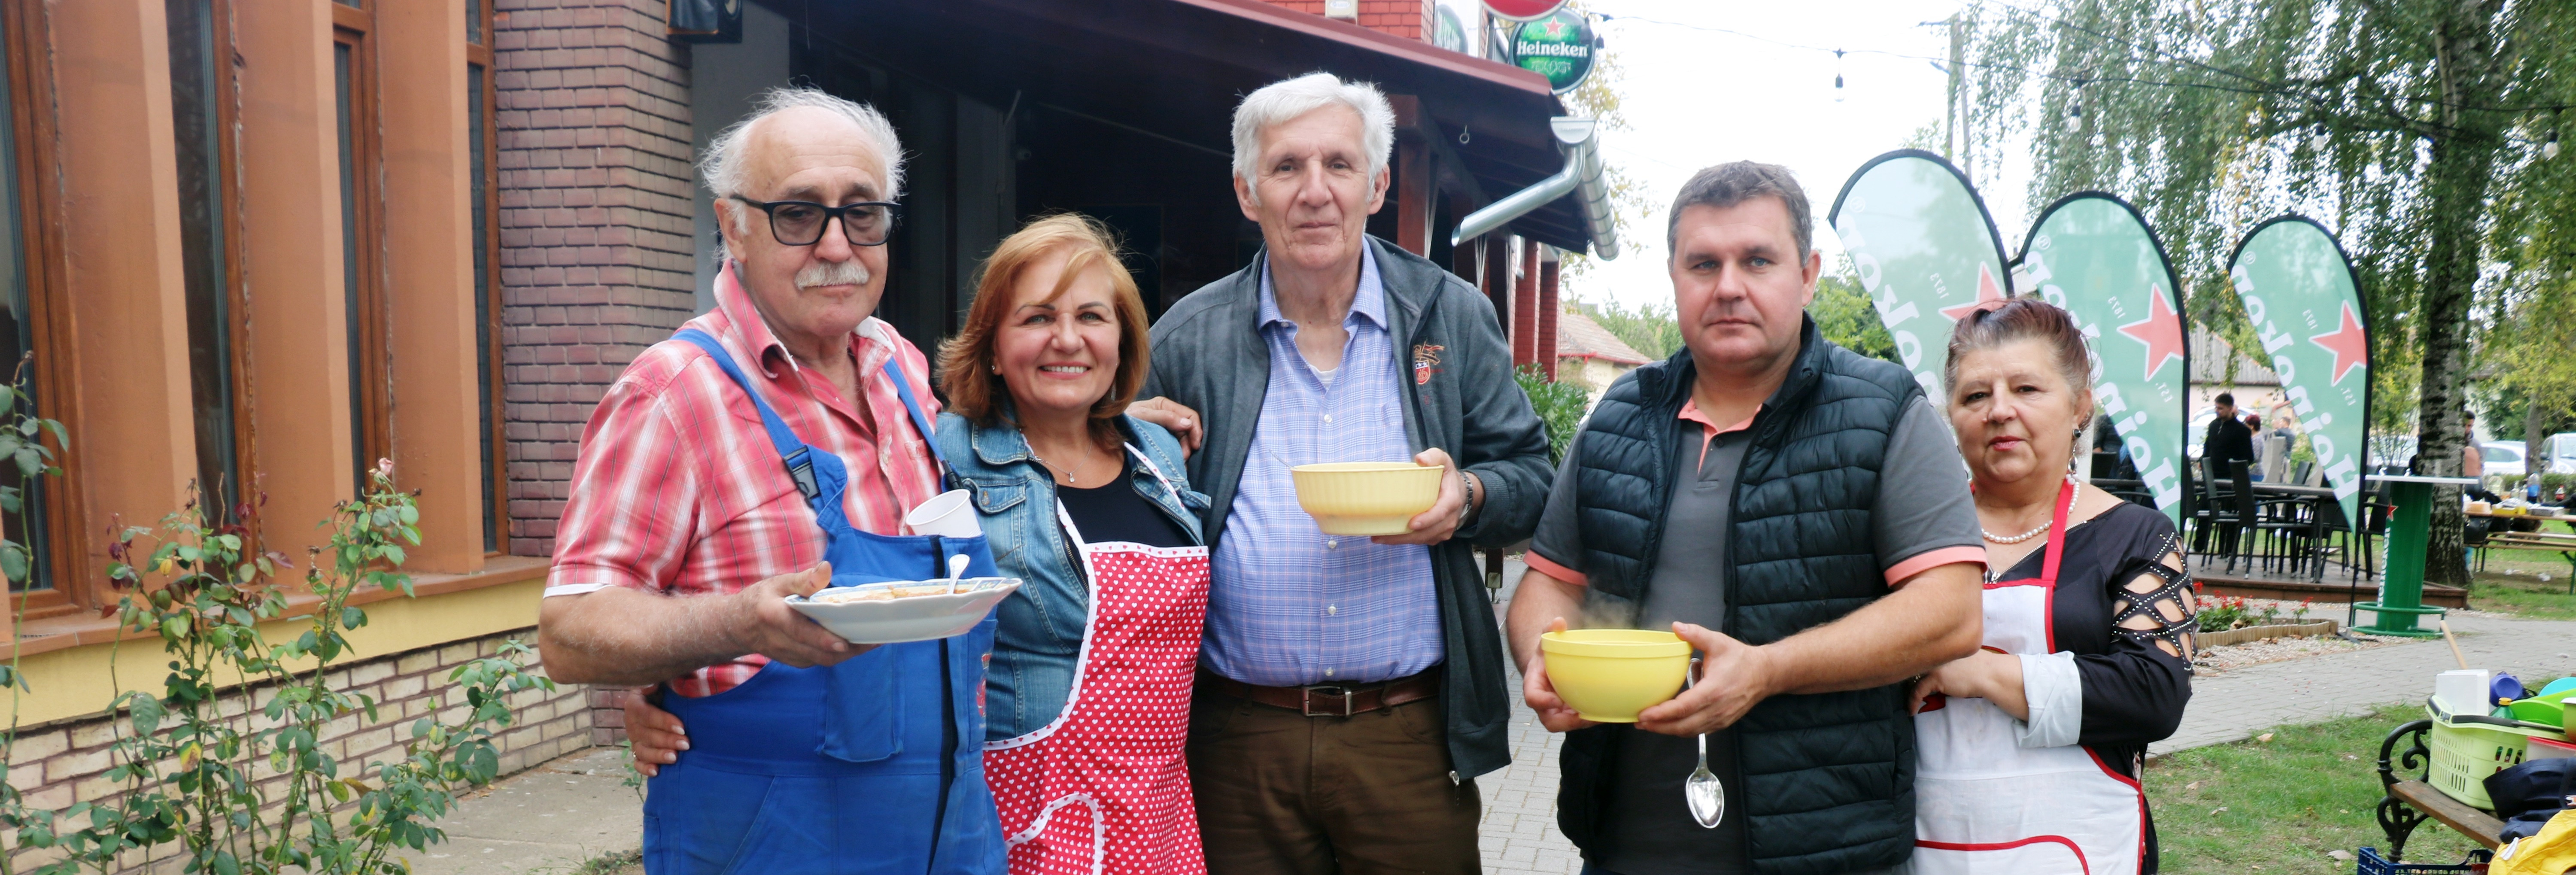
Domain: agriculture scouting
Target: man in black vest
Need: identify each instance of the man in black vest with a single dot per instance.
(1795, 511)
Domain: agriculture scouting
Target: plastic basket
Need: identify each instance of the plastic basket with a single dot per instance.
(2469, 747)
(2372, 864)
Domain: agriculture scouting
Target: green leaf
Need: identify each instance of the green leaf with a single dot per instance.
(13, 562)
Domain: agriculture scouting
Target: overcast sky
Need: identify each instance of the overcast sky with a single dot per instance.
(1695, 97)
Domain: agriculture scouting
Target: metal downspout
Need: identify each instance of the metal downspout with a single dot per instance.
(1582, 177)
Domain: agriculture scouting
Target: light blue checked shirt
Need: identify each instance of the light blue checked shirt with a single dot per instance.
(1290, 605)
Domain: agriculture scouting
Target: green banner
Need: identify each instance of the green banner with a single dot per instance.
(2092, 254)
(2305, 303)
(1925, 250)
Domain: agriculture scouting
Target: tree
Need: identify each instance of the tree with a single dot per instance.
(2404, 124)
(1650, 329)
(1844, 315)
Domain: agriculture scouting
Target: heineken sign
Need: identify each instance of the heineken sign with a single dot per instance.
(1448, 32)
(2305, 304)
(2092, 254)
(1924, 249)
(1559, 47)
(1523, 10)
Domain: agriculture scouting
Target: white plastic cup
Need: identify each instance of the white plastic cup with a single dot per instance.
(948, 515)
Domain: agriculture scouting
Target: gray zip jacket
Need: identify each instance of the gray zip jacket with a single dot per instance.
(1209, 354)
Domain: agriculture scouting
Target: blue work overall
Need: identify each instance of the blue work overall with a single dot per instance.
(873, 765)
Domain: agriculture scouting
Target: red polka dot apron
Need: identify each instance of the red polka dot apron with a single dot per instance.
(1103, 788)
(1985, 805)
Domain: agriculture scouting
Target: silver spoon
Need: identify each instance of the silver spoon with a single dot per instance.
(1707, 797)
(956, 569)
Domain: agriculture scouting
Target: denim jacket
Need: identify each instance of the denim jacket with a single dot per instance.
(1040, 636)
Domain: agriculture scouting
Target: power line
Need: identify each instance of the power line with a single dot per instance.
(2259, 87)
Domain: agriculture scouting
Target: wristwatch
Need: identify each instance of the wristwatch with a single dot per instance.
(1467, 511)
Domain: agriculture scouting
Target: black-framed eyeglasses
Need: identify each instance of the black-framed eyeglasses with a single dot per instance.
(800, 223)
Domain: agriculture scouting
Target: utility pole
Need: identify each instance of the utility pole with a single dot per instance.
(1960, 124)
(1950, 138)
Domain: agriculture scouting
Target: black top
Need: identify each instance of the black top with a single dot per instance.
(2134, 691)
(1116, 512)
(2228, 439)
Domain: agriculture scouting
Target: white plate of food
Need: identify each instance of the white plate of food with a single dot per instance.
(905, 610)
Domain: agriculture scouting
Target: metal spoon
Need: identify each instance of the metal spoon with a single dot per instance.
(1707, 797)
(956, 569)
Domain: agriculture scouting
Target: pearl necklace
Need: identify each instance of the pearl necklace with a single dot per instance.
(2016, 539)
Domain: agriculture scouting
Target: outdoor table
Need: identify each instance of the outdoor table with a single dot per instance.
(2401, 584)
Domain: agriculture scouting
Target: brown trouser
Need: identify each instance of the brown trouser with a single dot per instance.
(1280, 792)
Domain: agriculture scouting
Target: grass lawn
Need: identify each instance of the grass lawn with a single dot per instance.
(2511, 584)
(2280, 806)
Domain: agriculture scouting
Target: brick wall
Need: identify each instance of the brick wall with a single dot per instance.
(595, 224)
(1397, 17)
(61, 763)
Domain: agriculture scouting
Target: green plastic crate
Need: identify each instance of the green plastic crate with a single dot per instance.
(2469, 747)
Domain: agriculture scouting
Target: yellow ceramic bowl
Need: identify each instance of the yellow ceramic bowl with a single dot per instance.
(1611, 674)
(1365, 498)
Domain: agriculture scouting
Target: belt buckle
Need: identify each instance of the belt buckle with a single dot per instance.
(1306, 701)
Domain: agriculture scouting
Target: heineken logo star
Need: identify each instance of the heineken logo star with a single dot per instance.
(2161, 331)
(2351, 347)
(1987, 291)
(1555, 29)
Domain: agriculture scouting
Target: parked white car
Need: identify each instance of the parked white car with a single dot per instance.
(2502, 458)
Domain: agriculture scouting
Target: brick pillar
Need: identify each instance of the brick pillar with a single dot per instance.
(1525, 307)
(1548, 308)
(595, 224)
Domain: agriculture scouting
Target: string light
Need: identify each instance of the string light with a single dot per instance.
(2549, 149)
(1838, 75)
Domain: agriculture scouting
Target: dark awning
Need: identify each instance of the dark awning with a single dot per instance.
(1176, 69)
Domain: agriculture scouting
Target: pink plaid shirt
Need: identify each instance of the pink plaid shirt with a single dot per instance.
(677, 490)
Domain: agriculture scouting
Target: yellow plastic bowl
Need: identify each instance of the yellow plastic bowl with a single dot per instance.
(1366, 498)
(1608, 675)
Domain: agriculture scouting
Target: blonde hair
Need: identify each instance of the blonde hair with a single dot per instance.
(966, 360)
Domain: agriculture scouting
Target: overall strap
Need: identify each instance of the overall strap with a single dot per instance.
(791, 449)
(903, 387)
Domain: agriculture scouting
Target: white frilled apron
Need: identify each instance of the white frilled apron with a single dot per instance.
(1104, 788)
(1985, 805)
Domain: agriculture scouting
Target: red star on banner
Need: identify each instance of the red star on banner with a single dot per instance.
(2350, 346)
(2161, 331)
(1987, 291)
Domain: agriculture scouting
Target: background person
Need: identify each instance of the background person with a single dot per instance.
(1792, 509)
(686, 529)
(2088, 627)
(1352, 687)
(1087, 697)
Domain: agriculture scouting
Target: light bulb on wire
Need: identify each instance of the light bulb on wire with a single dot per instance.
(1838, 75)
(2549, 149)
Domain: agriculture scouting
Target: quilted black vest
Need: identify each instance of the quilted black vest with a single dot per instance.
(1829, 778)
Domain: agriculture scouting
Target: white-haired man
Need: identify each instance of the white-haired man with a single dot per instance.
(770, 448)
(1351, 688)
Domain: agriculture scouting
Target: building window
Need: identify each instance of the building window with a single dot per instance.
(200, 109)
(482, 137)
(370, 389)
(31, 266)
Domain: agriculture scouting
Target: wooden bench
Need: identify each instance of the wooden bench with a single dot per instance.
(2409, 801)
(2563, 545)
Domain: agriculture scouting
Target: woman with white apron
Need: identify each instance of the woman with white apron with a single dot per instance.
(2028, 751)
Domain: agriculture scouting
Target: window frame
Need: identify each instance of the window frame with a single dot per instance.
(46, 263)
(371, 377)
(496, 479)
(236, 254)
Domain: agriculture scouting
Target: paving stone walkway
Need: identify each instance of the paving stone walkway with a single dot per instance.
(552, 818)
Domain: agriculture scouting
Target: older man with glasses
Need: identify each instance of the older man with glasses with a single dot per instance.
(770, 448)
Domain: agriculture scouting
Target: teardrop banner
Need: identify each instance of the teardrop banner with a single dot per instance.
(2305, 302)
(2092, 254)
(1925, 250)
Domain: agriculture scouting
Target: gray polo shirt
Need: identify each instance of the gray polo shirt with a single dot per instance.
(1924, 518)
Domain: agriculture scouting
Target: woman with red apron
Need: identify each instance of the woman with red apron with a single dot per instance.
(2028, 751)
(1103, 788)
